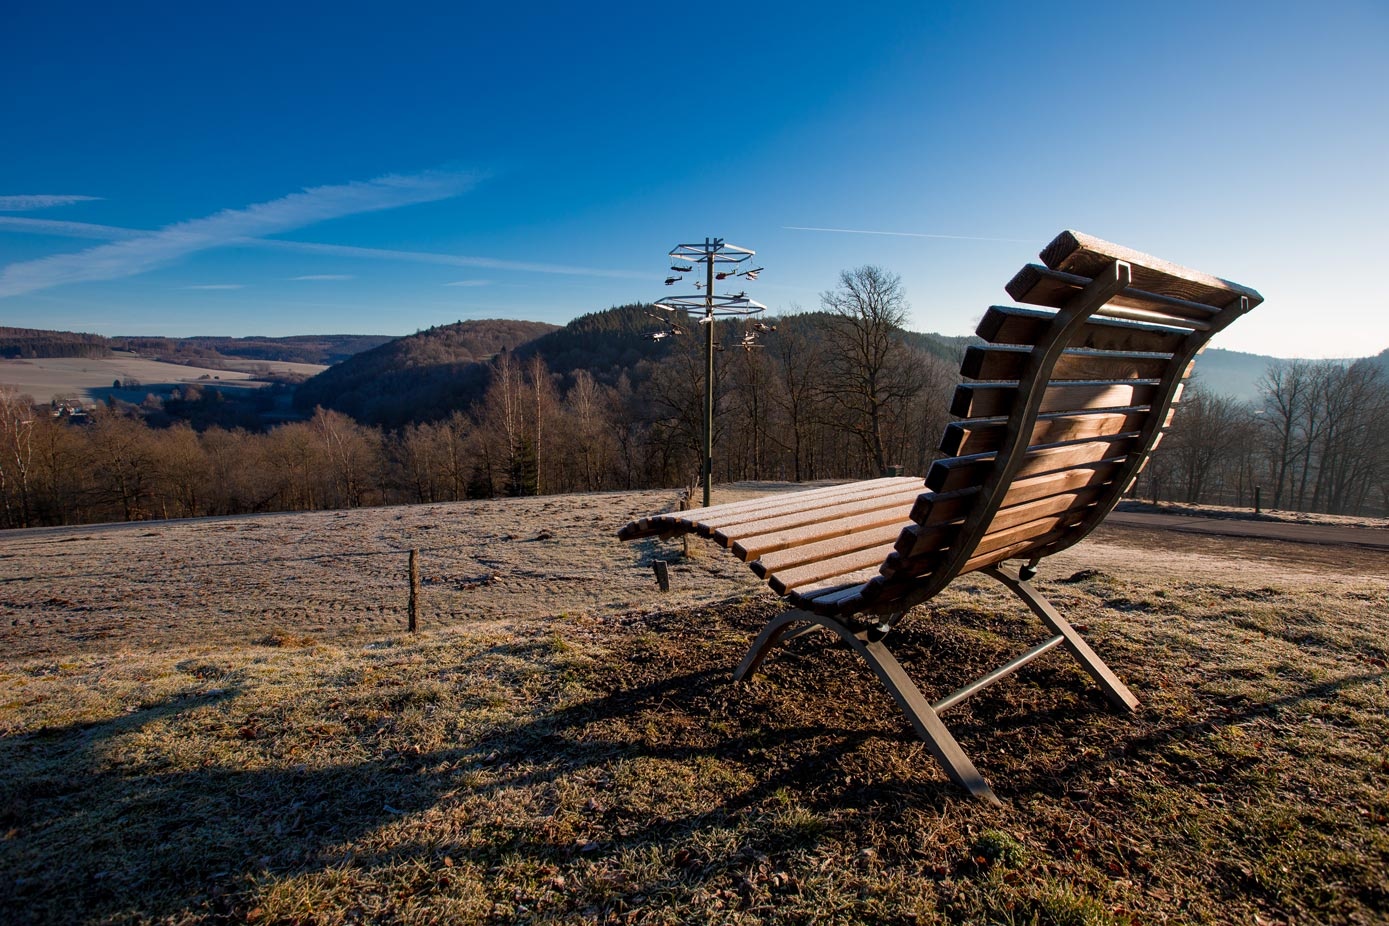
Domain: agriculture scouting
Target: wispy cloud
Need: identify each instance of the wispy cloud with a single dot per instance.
(897, 234)
(217, 286)
(469, 283)
(325, 276)
(139, 250)
(232, 226)
(29, 201)
(68, 229)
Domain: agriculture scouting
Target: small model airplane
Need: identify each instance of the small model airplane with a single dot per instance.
(698, 285)
(679, 269)
(763, 326)
(658, 335)
(752, 274)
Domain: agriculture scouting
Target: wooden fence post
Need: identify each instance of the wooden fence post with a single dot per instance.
(414, 588)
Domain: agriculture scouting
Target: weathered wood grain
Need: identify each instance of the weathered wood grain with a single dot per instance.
(770, 540)
(899, 502)
(829, 569)
(774, 563)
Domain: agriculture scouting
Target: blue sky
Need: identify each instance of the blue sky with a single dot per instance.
(368, 168)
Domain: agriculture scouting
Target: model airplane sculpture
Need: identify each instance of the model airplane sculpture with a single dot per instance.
(679, 269)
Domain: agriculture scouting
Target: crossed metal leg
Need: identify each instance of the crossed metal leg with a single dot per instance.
(923, 715)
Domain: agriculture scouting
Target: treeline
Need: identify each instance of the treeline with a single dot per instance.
(28, 343)
(840, 393)
(1314, 441)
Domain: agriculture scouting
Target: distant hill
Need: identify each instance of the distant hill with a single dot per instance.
(605, 343)
(31, 343)
(421, 377)
(324, 349)
(1232, 373)
(1381, 359)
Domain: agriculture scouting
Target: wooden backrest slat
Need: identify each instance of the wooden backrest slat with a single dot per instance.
(1009, 363)
(964, 472)
(917, 540)
(993, 400)
(986, 435)
(1086, 255)
(1012, 325)
(1037, 285)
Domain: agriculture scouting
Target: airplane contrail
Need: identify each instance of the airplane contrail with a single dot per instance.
(895, 234)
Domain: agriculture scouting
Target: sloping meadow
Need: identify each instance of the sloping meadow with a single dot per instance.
(597, 764)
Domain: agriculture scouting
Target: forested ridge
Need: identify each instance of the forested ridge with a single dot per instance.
(28, 343)
(423, 377)
(482, 409)
(205, 350)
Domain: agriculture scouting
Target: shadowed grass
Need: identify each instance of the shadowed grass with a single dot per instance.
(585, 769)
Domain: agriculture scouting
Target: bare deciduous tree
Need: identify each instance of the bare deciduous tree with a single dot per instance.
(871, 377)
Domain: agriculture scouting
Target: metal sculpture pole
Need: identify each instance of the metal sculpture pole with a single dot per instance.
(708, 376)
(712, 252)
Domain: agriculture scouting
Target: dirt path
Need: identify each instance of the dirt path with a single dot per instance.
(1335, 534)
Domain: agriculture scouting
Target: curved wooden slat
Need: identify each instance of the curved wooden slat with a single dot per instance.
(1010, 363)
(969, 437)
(992, 400)
(1013, 325)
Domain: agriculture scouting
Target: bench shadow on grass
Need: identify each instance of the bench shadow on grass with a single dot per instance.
(84, 838)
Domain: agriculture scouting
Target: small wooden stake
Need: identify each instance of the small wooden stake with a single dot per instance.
(685, 506)
(662, 574)
(414, 588)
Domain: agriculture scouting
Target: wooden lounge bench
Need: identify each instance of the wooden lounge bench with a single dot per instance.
(1065, 405)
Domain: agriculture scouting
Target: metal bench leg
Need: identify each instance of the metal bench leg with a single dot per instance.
(924, 719)
(1117, 692)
